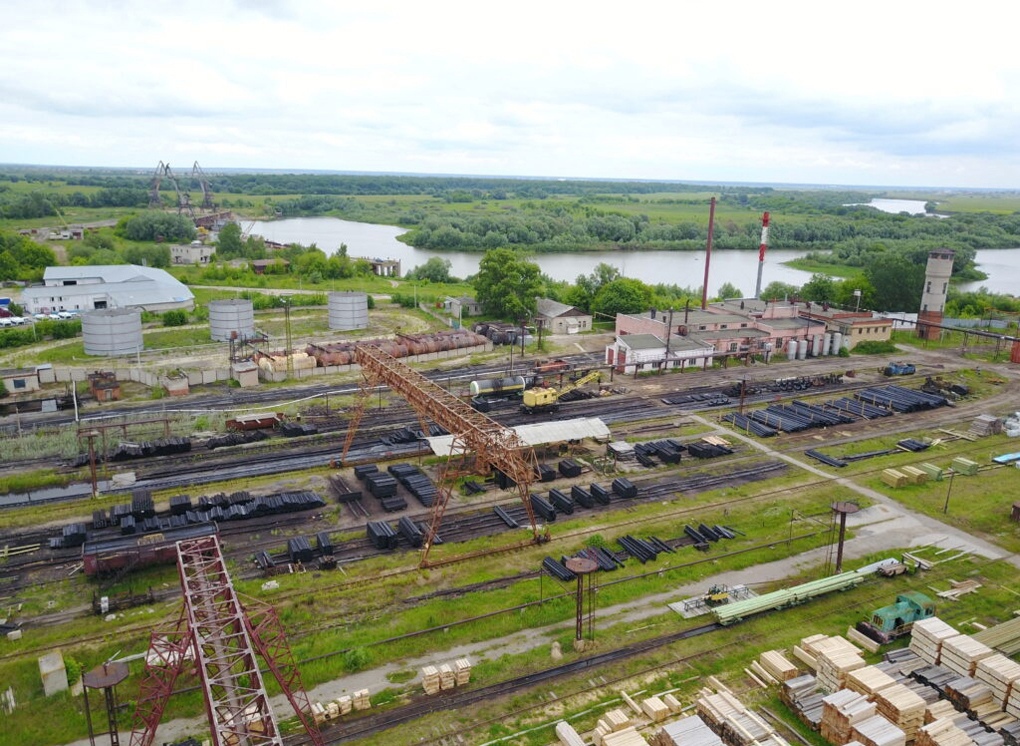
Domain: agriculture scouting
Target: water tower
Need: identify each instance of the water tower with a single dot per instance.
(933, 295)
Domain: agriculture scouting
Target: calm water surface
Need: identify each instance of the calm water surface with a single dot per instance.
(684, 268)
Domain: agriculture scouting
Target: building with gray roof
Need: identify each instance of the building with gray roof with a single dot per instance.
(87, 288)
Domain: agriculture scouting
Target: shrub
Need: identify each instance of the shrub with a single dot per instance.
(871, 347)
(176, 317)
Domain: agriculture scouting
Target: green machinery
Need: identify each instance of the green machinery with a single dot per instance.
(896, 620)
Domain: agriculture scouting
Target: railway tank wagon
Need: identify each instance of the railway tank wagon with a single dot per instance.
(498, 386)
(112, 555)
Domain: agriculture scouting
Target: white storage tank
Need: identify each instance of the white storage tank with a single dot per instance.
(826, 343)
(348, 310)
(816, 345)
(837, 342)
(802, 346)
(231, 318)
(112, 332)
(791, 349)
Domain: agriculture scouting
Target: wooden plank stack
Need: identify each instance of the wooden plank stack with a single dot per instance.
(835, 658)
(801, 695)
(942, 732)
(940, 708)
(927, 636)
(462, 671)
(360, 700)
(728, 717)
(841, 711)
(915, 475)
(962, 653)
(688, 731)
(1000, 673)
(612, 721)
(868, 680)
(902, 707)
(567, 735)
(777, 665)
(968, 695)
(626, 737)
(965, 466)
(446, 678)
(655, 709)
(877, 731)
(894, 478)
(430, 680)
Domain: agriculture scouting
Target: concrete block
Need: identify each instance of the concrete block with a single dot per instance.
(53, 673)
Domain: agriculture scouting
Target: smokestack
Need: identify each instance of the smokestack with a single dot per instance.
(708, 253)
(761, 252)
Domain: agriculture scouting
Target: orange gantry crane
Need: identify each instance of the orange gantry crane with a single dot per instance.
(220, 637)
(494, 446)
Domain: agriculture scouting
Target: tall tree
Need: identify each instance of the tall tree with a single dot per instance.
(624, 295)
(897, 282)
(506, 285)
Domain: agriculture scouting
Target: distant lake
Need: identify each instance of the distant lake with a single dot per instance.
(683, 268)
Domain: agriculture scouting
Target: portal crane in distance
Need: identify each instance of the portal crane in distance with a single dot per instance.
(494, 446)
(207, 200)
(537, 400)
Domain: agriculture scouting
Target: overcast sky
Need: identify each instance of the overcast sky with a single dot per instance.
(863, 93)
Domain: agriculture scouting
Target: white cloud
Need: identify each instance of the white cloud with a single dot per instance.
(869, 93)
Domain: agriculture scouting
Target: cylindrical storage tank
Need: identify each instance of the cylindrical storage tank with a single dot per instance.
(837, 342)
(112, 332)
(791, 349)
(802, 346)
(230, 319)
(816, 345)
(827, 343)
(510, 385)
(348, 310)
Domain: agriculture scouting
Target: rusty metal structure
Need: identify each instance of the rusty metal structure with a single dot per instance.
(220, 637)
(493, 445)
(105, 678)
(163, 171)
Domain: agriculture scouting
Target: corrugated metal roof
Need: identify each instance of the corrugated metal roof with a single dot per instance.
(539, 433)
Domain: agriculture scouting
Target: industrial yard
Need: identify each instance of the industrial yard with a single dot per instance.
(430, 556)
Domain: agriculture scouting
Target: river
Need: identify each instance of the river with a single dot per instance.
(683, 268)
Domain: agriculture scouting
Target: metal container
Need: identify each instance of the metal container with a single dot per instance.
(837, 342)
(816, 345)
(112, 332)
(485, 386)
(348, 310)
(791, 349)
(827, 343)
(231, 319)
(802, 347)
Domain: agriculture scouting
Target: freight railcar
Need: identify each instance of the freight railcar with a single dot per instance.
(512, 385)
(135, 551)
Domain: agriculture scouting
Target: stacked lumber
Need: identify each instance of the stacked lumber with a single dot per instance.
(655, 709)
(877, 731)
(1013, 701)
(902, 707)
(689, 731)
(626, 737)
(940, 708)
(962, 653)
(611, 722)
(462, 671)
(868, 680)
(567, 735)
(934, 472)
(969, 694)
(430, 680)
(318, 713)
(446, 678)
(965, 466)
(915, 475)
(959, 588)
(672, 702)
(1010, 734)
(927, 636)
(942, 732)
(835, 658)
(777, 665)
(862, 640)
(340, 706)
(894, 478)
(841, 711)
(801, 695)
(727, 716)
(1004, 637)
(360, 700)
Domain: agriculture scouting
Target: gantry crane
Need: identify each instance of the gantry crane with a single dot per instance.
(493, 445)
(198, 174)
(163, 171)
(220, 637)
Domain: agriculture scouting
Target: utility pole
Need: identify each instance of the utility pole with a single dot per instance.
(669, 328)
(708, 253)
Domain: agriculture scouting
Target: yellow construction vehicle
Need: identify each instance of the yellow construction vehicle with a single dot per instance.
(548, 399)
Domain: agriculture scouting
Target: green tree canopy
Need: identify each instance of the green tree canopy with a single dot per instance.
(623, 295)
(729, 290)
(436, 269)
(507, 285)
(897, 282)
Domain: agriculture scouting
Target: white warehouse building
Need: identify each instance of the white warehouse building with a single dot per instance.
(87, 288)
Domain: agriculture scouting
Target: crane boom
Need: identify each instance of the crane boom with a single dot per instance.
(543, 400)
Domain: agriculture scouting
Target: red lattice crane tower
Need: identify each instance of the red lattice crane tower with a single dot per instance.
(493, 445)
(220, 637)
